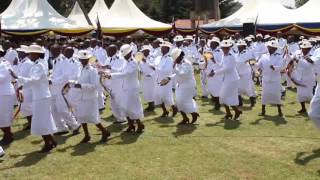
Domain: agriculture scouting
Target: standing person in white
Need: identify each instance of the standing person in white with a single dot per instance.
(131, 104)
(148, 78)
(7, 96)
(186, 85)
(314, 112)
(202, 67)
(230, 79)
(24, 70)
(42, 122)
(115, 64)
(271, 64)
(59, 78)
(304, 75)
(246, 85)
(214, 82)
(87, 110)
(164, 68)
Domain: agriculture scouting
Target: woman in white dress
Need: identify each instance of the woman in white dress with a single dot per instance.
(229, 90)
(87, 110)
(314, 112)
(42, 121)
(131, 104)
(186, 86)
(7, 98)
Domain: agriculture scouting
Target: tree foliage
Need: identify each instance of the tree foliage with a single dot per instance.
(300, 3)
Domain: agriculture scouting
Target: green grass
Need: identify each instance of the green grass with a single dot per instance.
(257, 148)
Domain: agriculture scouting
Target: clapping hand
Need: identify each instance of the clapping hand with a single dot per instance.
(272, 67)
(211, 73)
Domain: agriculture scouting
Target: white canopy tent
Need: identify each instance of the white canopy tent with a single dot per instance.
(99, 9)
(31, 17)
(308, 13)
(78, 16)
(125, 16)
(260, 12)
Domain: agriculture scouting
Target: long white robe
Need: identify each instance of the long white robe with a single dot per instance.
(314, 112)
(148, 79)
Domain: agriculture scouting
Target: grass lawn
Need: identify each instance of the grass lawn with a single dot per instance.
(256, 148)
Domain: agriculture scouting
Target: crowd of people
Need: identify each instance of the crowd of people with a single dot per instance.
(62, 85)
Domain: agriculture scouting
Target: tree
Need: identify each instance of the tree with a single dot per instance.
(228, 7)
(300, 3)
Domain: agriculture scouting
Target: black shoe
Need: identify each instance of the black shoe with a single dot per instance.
(6, 141)
(228, 116)
(105, 137)
(76, 131)
(184, 121)
(237, 116)
(140, 128)
(174, 111)
(165, 114)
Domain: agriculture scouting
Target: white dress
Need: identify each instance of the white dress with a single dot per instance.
(230, 79)
(271, 79)
(186, 87)
(87, 110)
(148, 79)
(131, 105)
(246, 85)
(7, 95)
(24, 70)
(304, 74)
(314, 112)
(215, 82)
(42, 121)
(164, 69)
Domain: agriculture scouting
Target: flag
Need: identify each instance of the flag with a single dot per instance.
(173, 25)
(99, 30)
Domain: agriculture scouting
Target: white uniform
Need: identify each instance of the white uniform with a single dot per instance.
(7, 95)
(101, 56)
(117, 65)
(314, 112)
(271, 79)
(11, 55)
(186, 86)
(246, 85)
(164, 69)
(24, 71)
(259, 49)
(87, 110)
(215, 82)
(128, 78)
(61, 114)
(304, 74)
(203, 74)
(42, 121)
(148, 79)
(230, 79)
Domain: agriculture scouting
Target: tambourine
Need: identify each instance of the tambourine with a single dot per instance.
(207, 55)
(93, 60)
(139, 56)
(164, 82)
(252, 62)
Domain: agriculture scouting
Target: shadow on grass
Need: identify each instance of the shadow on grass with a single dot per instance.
(128, 138)
(216, 112)
(109, 119)
(114, 128)
(165, 120)
(31, 159)
(226, 124)
(184, 130)
(304, 160)
(275, 119)
(83, 149)
(21, 134)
